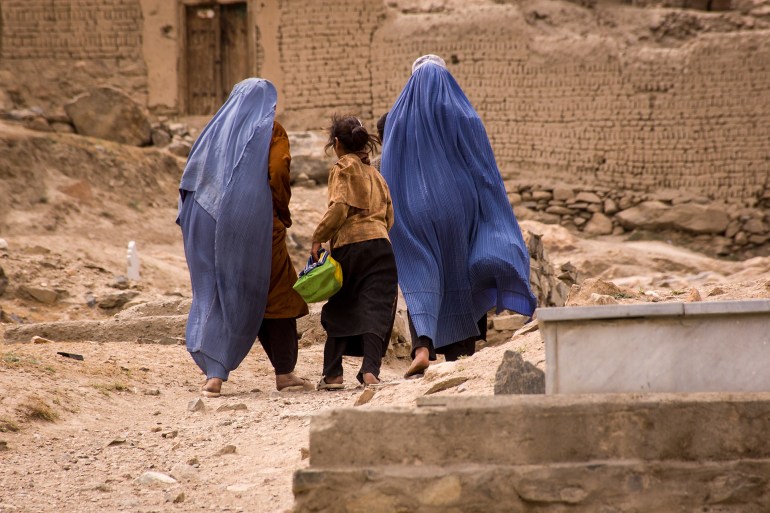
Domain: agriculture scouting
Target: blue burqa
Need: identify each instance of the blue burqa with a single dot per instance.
(227, 171)
(458, 246)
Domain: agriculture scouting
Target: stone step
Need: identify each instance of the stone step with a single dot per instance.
(547, 454)
(161, 329)
(593, 487)
(530, 430)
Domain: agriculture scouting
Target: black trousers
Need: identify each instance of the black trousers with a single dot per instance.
(280, 341)
(334, 349)
(453, 351)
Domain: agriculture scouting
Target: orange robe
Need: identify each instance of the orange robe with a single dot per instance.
(282, 300)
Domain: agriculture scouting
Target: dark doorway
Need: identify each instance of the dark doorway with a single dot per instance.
(216, 54)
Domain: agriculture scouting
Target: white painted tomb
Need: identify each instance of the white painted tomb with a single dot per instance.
(715, 346)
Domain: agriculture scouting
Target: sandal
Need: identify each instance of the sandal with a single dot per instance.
(323, 385)
(306, 386)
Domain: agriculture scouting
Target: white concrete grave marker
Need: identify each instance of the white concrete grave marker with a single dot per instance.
(132, 258)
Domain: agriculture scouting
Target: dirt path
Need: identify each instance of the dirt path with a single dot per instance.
(123, 411)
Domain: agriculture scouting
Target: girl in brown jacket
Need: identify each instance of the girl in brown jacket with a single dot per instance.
(359, 318)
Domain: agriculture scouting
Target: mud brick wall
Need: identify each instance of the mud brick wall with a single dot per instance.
(326, 58)
(693, 118)
(71, 44)
(80, 29)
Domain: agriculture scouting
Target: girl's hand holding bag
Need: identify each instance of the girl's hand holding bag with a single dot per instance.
(319, 280)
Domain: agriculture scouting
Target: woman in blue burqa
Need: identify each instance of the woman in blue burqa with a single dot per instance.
(234, 212)
(459, 249)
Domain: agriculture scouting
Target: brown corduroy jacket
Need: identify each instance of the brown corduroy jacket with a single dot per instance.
(360, 208)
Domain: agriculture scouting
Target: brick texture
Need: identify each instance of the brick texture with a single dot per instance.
(326, 57)
(74, 29)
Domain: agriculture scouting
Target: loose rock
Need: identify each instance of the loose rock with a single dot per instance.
(365, 397)
(116, 300)
(446, 384)
(232, 407)
(175, 496)
(196, 405)
(40, 294)
(227, 449)
(517, 376)
(155, 478)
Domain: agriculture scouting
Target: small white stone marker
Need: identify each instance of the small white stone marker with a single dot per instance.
(132, 258)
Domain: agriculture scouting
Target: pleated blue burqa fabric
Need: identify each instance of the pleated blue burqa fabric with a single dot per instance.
(459, 249)
(228, 174)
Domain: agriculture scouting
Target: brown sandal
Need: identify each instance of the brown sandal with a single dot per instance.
(323, 385)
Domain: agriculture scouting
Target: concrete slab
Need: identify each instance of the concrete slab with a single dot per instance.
(662, 347)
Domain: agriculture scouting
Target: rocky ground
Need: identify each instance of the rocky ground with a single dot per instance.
(123, 429)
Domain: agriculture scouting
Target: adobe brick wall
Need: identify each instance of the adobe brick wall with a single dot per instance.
(326, 59)
(55, 50)
(692, 118)
(589, 109)
(71, 30)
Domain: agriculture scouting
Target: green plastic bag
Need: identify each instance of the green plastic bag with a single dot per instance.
(320, 280)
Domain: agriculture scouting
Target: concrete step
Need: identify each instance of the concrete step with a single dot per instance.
(528, 430)
(619, 453)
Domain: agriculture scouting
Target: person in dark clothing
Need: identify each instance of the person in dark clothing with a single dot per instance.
(359, 318)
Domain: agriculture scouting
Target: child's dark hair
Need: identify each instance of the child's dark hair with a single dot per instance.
(381, 126)
(352, 134)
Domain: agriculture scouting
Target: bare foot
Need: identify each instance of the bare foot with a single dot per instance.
(371, 379)
(284, 381)
(420, 363)
(212, 387)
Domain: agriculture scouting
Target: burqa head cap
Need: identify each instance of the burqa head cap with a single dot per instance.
(428, 59)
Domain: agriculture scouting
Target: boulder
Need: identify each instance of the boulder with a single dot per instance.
(599, 224)
(697, 218)
(160, 138)
(180, 148)
(689, 217)
(108, 113)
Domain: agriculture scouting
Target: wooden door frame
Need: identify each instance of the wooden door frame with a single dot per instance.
(182, 71)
